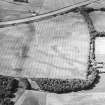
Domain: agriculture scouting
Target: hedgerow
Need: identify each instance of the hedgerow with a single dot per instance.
(68, 85)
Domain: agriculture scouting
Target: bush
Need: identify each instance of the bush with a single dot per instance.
(8, 87)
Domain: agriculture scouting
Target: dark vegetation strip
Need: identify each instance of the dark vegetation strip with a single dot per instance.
(68, 85)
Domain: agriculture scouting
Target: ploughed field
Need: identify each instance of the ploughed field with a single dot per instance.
(53, 48)
(56, 48)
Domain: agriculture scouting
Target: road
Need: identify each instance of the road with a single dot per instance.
(45, 15)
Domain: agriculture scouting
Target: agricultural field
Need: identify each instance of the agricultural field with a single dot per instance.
(55, 60)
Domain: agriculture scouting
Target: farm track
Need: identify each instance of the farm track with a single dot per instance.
(40, 17)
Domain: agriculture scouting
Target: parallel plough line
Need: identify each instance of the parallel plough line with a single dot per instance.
(67, 85)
